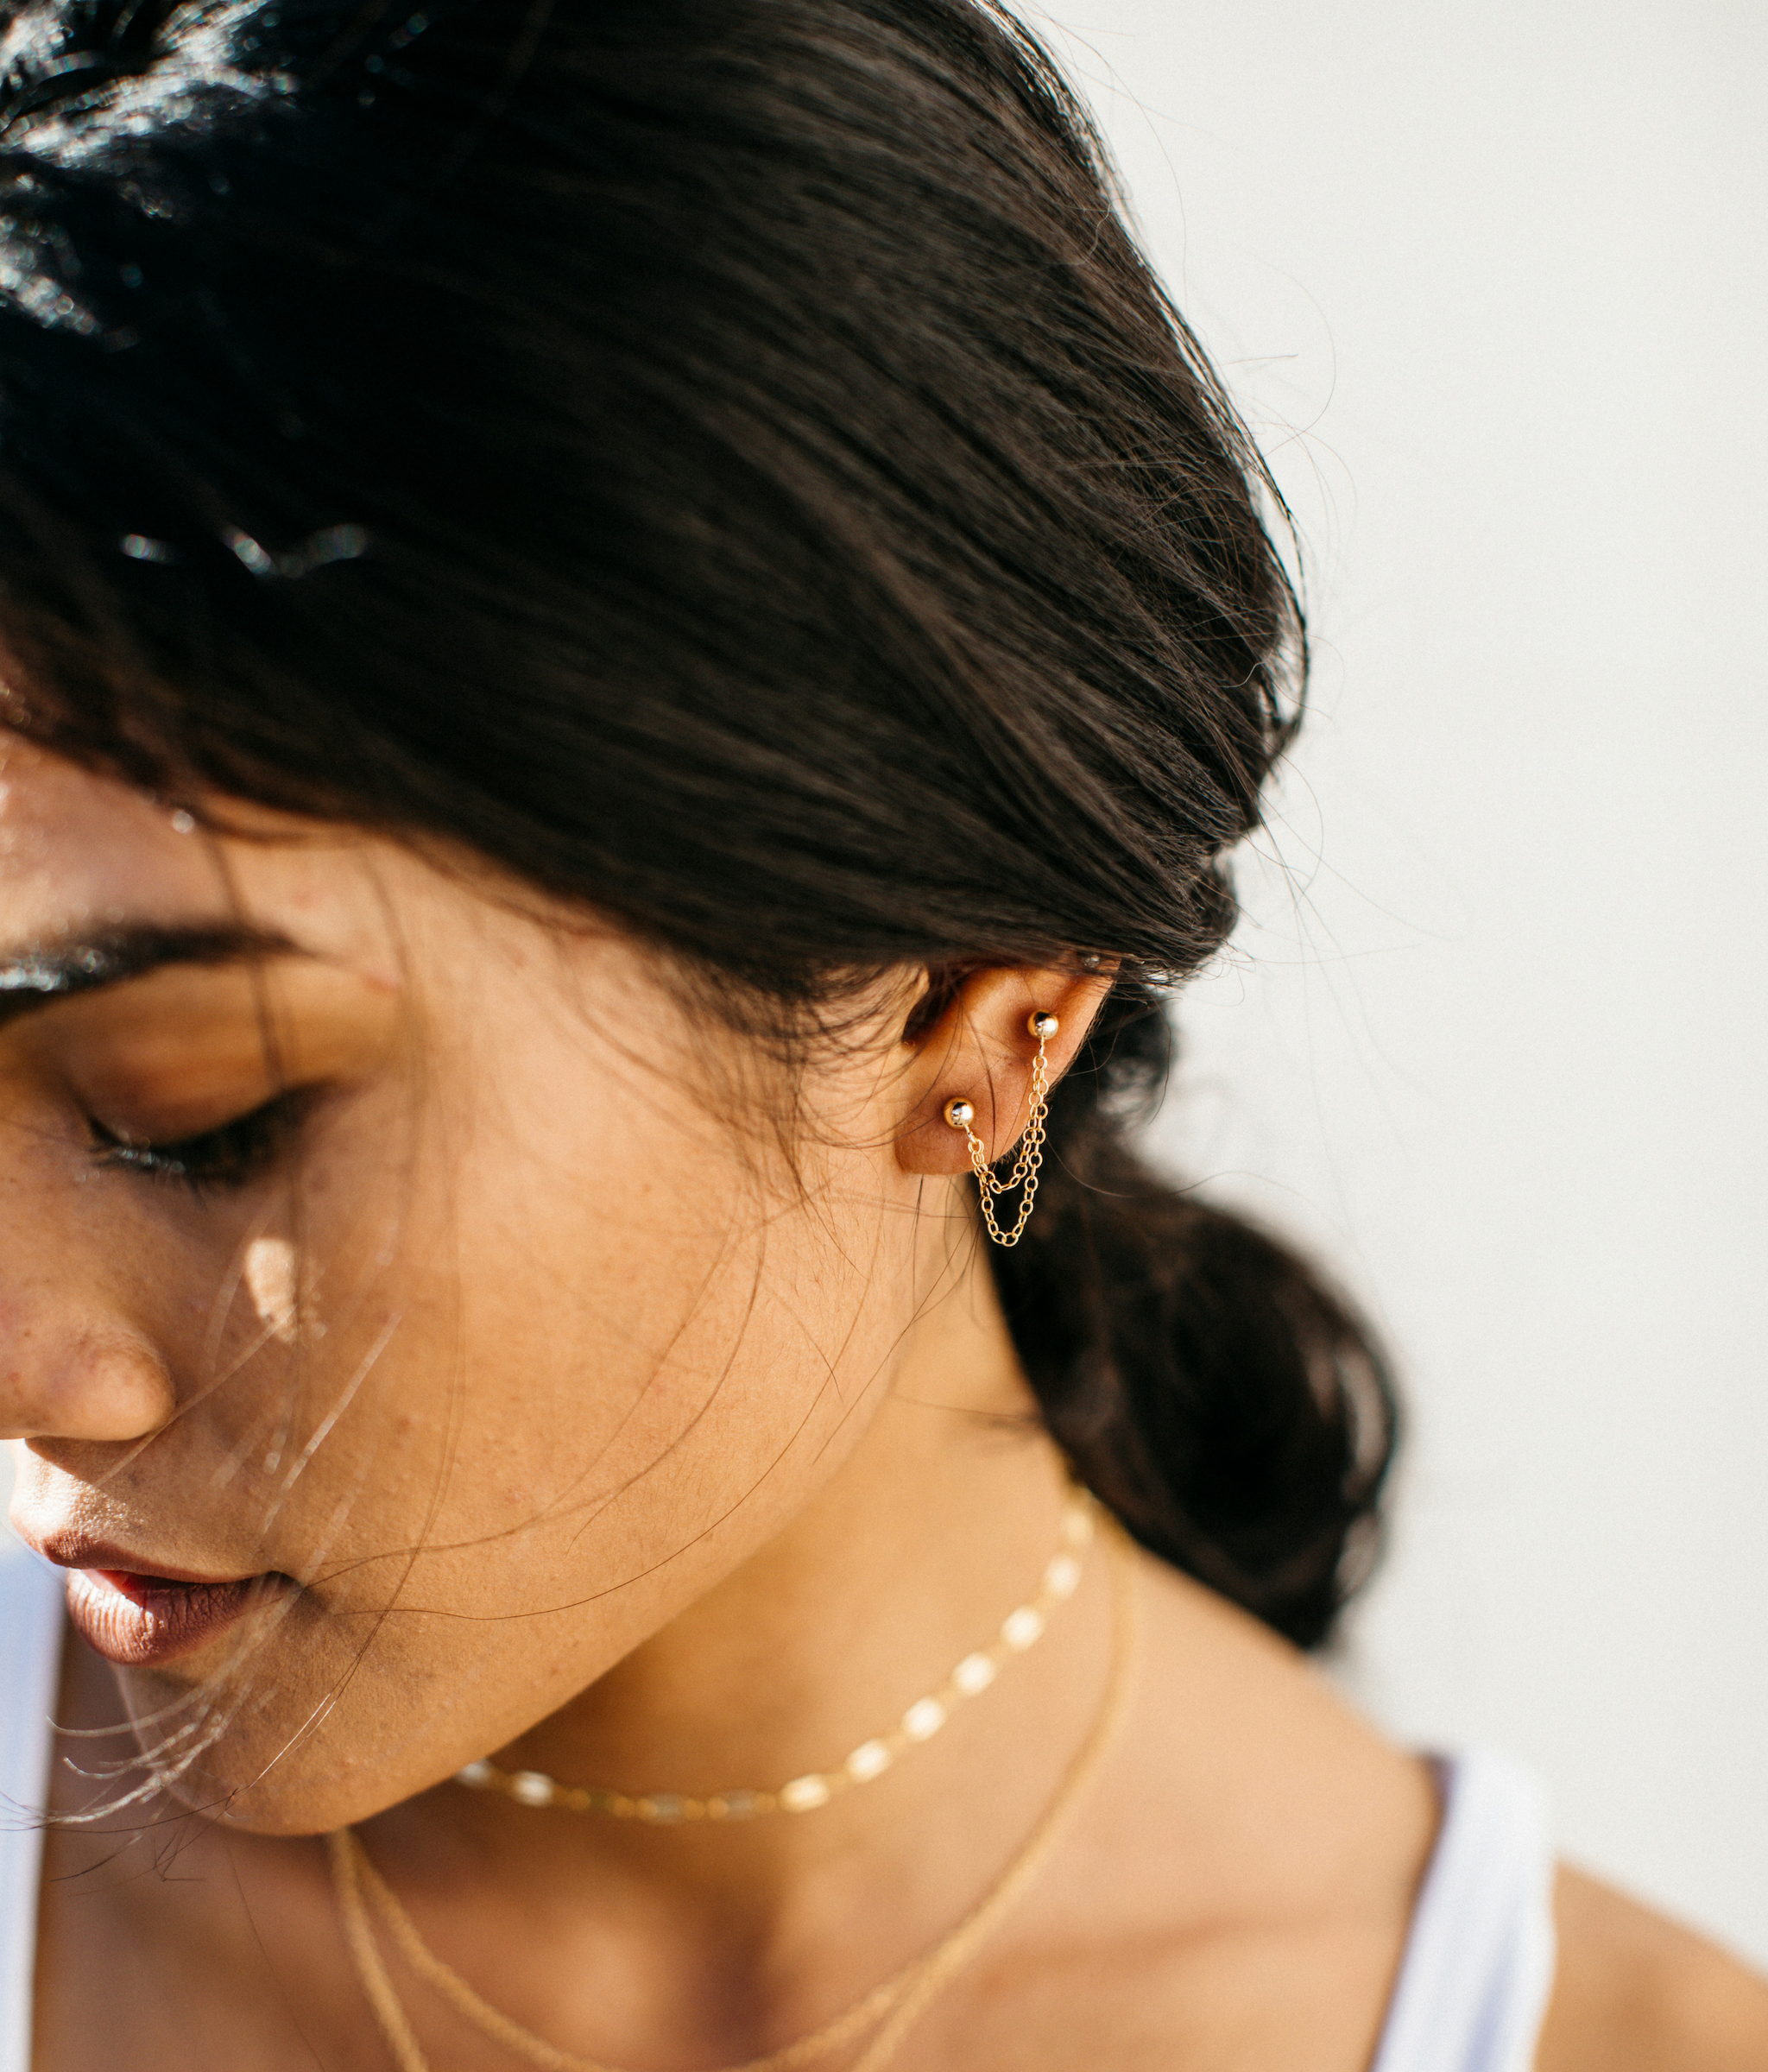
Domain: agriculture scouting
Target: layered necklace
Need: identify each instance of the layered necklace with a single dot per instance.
(887, 2012)
(1022, 1628)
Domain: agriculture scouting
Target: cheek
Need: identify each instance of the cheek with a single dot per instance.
(270, 1277)
(642, 1328)
(560, 1361)
(604, 1337)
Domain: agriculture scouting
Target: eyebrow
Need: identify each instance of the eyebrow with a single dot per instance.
(36, 975)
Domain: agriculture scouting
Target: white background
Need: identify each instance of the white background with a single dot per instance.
(1489, 282)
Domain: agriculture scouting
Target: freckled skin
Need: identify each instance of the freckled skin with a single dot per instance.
(588, 1428)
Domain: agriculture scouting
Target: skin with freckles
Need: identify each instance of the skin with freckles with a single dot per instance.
(698, 1340)
(428, 1269)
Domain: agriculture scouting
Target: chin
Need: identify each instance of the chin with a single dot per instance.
(266, 1777)
(294, 1729)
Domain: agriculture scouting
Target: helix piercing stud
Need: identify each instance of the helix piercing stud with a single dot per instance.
(961, 1113)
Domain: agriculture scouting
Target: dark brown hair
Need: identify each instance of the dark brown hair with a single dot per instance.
(728, 461)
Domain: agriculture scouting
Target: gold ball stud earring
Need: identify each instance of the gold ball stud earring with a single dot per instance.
(961, 1113)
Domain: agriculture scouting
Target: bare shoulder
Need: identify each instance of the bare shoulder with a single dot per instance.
(1636, 1993)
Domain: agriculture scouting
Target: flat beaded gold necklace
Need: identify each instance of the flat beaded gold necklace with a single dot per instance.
(1022, 1628)
(889, 2010)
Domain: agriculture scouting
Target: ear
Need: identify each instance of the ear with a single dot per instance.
(981, 1050)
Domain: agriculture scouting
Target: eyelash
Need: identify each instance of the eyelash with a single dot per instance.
(230, 1156)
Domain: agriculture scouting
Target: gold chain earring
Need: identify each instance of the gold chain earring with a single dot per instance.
(960, 1113)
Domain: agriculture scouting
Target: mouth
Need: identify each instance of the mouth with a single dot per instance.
(140, 1619)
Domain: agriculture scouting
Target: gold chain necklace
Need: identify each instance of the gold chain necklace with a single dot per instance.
(890, 2008)
(1022, 1628)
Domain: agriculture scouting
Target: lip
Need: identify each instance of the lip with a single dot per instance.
(139, 1614)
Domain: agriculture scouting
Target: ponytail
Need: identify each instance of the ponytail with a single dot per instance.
(1205, 1385)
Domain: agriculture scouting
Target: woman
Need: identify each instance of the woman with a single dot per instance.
(633, 640)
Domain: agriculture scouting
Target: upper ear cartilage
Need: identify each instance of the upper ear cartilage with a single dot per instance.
(990, 1186)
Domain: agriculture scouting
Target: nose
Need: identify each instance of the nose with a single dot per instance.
(66, 1378)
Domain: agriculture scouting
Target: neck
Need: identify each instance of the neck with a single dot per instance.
(940, 1522)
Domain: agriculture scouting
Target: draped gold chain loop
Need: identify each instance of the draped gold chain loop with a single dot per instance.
(961, 1113)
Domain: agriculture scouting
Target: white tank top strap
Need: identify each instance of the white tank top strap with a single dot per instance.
(1479, 1961)
(31, 1599)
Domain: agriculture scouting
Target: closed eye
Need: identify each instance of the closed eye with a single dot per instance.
(230, 1155)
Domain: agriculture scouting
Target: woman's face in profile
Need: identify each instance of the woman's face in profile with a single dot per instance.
(369, 1235)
